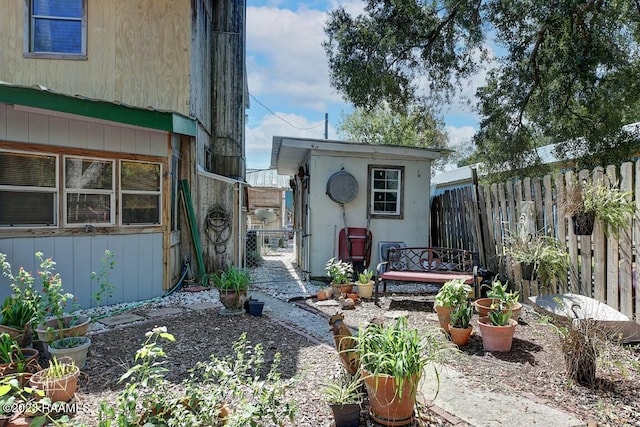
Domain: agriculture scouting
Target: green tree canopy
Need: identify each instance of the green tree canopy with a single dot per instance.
(415, 126)
(566, 70)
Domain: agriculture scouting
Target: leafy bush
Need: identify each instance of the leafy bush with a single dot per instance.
(232, 391)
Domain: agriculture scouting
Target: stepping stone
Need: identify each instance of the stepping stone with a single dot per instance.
(396, 314)
(120, 319)
(202, 305)
(159, 312)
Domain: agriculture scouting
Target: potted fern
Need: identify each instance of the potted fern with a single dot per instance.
(592, 200)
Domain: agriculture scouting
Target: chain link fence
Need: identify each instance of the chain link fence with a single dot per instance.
(261, 242)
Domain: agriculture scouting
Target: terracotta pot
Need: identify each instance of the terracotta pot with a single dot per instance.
(387, 407)
(321, 295)
(342, 288)
(347, 415)
(460, 336)
(67, 326)
(444, 316)
(365, 290)
(59, 389)
(22, 336)
(496, 338)
(233, 301)
(353, 296)
(483, 307)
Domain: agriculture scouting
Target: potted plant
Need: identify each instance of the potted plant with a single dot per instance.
(393, 358)
(13, 358)
(540, 256)
(232, 284)
(497, 330)
(344, 395)
(592, 200)
(17, 315)
(452, 294)
(59, 381)
(499, 296)
(341, 274)
(365, 283)
(460, 327)
(75, 348)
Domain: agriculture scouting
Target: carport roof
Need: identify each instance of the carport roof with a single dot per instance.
(288, 153)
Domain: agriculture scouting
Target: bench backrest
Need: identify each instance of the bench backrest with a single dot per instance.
(432, 259)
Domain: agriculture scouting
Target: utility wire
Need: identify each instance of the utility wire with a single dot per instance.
(281, 118)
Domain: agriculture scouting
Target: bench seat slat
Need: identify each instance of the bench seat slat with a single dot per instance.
(425, 276)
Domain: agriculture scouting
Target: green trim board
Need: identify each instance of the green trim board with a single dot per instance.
(97, 109)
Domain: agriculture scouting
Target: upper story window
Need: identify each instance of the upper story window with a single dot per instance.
(385, 192)
(56, 29)
(28, 190)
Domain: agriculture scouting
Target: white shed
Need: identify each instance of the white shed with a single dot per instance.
(382, 188)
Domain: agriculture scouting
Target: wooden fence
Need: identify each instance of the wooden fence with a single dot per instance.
(603, 267)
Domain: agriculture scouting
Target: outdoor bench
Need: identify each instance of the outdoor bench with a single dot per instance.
(427, 265)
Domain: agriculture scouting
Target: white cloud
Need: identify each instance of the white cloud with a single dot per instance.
(284, 48)
(258, 139)
(460, 135)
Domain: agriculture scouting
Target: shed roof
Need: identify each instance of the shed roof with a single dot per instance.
(41, 97)
(267, 178)
(288, 153)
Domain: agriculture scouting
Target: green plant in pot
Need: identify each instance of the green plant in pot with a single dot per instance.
(497, 329)
(232, 284)
(17, 315)
(452, 294)
(75, 348)
(59, 381)
(344, 394)
(543, 256)
(393, 358)
(365, 283)
(499, 296)
(460, 328)
(341, 275)
(594, 199)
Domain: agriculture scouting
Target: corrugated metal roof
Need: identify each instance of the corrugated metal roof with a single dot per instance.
(267, 178)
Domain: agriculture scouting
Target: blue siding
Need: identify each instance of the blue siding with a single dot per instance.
(138, 260)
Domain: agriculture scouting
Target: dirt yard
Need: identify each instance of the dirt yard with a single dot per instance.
(534, 369)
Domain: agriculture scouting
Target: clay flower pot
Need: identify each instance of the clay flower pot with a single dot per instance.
(483, 307)
(496, 338)
(387, 407)
(460, 336)
(365, 290)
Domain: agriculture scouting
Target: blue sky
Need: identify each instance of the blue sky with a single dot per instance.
(288, 79)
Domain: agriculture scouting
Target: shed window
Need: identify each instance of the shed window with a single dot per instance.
(385, 192)
(140, 192)
(28, 190)
(89, 191)
(56, 28)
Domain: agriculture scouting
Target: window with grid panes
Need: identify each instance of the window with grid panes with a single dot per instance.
(385, 195)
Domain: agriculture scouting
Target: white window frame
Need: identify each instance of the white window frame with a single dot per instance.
(20, 188)
(29, 35)
(111, 193)
(399, 211)
(141, 192)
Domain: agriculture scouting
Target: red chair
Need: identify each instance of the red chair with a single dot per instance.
(354, 246)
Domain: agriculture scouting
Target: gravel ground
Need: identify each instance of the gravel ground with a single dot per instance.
(534, 369)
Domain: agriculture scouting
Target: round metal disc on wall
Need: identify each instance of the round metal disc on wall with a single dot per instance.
(342, 187)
